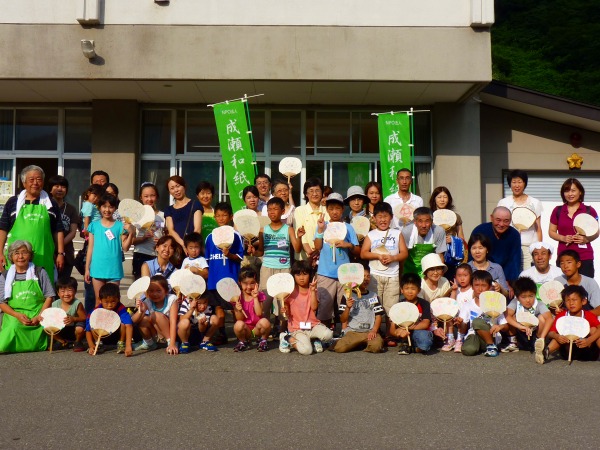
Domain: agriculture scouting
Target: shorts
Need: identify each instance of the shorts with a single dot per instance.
(388, 290)
(214, 299)
(108, 280)
(268, 305)
(473, 344)
(329, 292)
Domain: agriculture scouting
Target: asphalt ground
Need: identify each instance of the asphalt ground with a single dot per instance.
(273, 400)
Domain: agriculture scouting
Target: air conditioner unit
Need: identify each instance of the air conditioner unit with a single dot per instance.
(88, 12)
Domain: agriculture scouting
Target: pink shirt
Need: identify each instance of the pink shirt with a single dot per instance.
(299, 310)
(248, 307)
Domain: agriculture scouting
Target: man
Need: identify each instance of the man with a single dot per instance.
(506, 242)
(403, 196)
(262, 181)
(34, 217)
(422, 237)
(100, 177)
(541, 271)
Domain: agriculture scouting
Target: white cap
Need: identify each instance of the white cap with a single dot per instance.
(540, 245)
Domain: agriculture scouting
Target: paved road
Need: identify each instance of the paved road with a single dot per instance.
(272, 400)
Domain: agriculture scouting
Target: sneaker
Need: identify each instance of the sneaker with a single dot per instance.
(511, 347)
(539, 351)
(184, 347)
(458, 346)
(449, 345)
(284, 344)
(121, 347)
(491, 351)
(403, 349)
(318, 345)
(546, 353)
(208, 346)
(263, 346)
(240, 347)
(143, 346)
(78, 347)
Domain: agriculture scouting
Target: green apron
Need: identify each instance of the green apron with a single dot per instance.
(26, 298)
(208, 224)
(33, 225)
(415, 255)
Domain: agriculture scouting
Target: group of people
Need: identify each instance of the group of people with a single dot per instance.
(405, 259)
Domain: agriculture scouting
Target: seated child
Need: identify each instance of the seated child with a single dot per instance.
(362, 317)
(75, 320)
(570, 262)
(110, 298)
(194, 261)
(300, 307)
(158, 312)
(520, 336)
(480, 337)
(462, 290)
(587, 349)
(194, 312)
(248, 313)
(421, 337)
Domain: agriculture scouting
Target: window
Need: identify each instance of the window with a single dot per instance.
(333, 132)
(36, 129)
(78, 131)
(156, 132)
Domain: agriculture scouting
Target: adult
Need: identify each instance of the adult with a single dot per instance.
(283, 190)
(422, 237)
(561, 225)
(441, 198)
(183, 216)
(505, 242)
(262, 181)
(251, 197)
(356, 200)
(541, 271)
(25, 291)
(517, 180)
(480, 247)
(374, 193)
(307, 216)
(161, 265)
(59, 188)
(205, 192)
(403, 195)
(34, 216)
(145, 239)
(99, 177)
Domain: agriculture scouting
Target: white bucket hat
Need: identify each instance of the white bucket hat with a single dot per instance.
(432, 260)
(355, 191)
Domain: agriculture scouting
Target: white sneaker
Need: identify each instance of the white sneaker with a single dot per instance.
(284, 345)
(539, 351)
(318, 346)
(511, 347)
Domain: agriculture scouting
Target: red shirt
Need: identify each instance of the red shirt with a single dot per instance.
(299, 310)
(587, 315)
(564, 226)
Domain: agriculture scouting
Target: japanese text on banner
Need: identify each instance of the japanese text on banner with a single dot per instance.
(394, 148)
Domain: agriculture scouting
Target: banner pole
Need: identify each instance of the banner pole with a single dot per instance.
(250, 134)
(412, 149)
(244, 98)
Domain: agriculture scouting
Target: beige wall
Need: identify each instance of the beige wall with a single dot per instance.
(510, 140)
(456, 158)
(115, 142)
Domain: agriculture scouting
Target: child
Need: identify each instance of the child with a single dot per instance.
(194, 262)
(248, 313)
(75, 320)
(363, 318)
(217, 270)
(276, 240)
(520, 336)
(462, 290)
(157, 312)
(145, 240)
(356, 200)
(108, 239)
(421, 337)
(330, 290)
(387, 277)
(570, 262)
(89, 207)
(300, 307)
(587, 349)
(480, 337)
(110, 298)
(195, 312)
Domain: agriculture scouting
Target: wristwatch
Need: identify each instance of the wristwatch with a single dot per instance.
(61, 253)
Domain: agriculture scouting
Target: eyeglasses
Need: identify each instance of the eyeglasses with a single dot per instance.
(21, 253)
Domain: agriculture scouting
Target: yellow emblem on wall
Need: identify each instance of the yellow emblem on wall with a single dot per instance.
(575, 161)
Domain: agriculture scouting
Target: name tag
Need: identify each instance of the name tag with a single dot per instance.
(364, 326)
(109, 234)
(582, 245)
(305, 326)
(372, 301)
(281, 244)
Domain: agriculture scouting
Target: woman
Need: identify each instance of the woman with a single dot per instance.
(185, 215)
(161, 265)
(561, 225)
(442, 199)
(307, 216)
(205, 192)
(25, 290)
(479, 248)
(283, 191)
(374, 192)
(251, 196)
(145, 240)
(517, 180)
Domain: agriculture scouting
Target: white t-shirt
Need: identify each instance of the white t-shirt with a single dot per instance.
(166, 309)
(394, 199)
(442, 288)
(528, 236)
(471, 311)
(391, 244)
(541, 278)
(464, 297)
(198, 263)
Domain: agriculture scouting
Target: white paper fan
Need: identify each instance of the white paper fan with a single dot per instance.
(492, 303)
(131, 210)
(585, 225)
(104, 322)
(53, 320)
(138, 288)
(228, 289)
(334, 233)
(523, 218)
(444, 218)
(404, 314)
(279, 286)
(264, 221)
(527, 319)
(247, 226)
(549, 293)
(192, 285)
(572, 328)
(290, 167)
(147, 219)
(223, 238)
(176, 278)
(404, 212)
(244, 212)
(361, 226)
(351, 274)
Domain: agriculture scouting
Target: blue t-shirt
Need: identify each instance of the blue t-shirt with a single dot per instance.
(214, 256)
(327, 267)
(121, 311)
(107, 261)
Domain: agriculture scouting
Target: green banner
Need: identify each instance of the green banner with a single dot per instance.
(394, 148)
(358, 174)
(236, 149)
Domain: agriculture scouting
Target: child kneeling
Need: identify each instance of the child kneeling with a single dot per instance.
(197, 312)
(300, 307)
